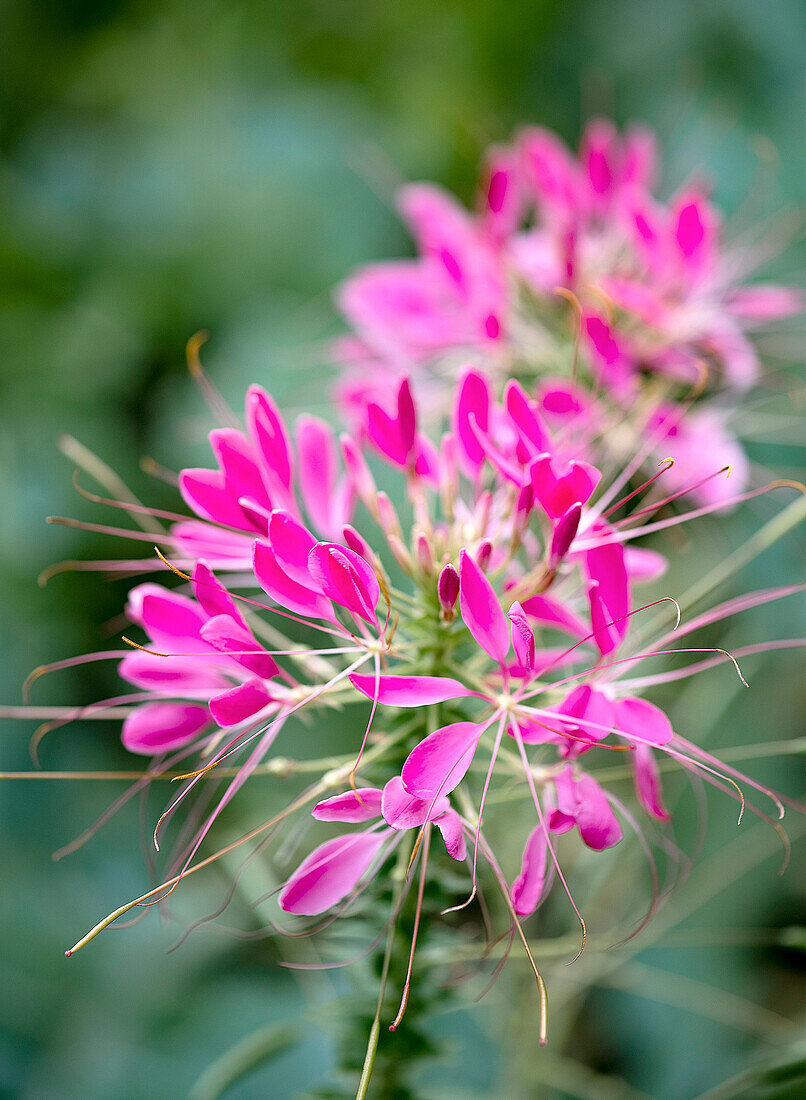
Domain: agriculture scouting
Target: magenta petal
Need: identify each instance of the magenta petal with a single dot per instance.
(439, 763)
(527, 889)
(161, 727)
(268, 433)
(172, 621)
(523, 639)
(236, 460)
(316, 454)
(526, 418)
(239, 703)
(206, 493)
(212, 596)
(644, 721)
(345, 578)
(173, 675)
(410, 691)
(597, 824)
(362, 804)
(472, 405)
(605, 631)
(275, 581)
(643, 565)
(228, 636)
(291, 543)
(402, 810)
(481, 611)
(553, 613)
(605, 565)
(647, 782)
(450, 825)
(329, 873)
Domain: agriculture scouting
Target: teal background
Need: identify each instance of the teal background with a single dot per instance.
(167, 167)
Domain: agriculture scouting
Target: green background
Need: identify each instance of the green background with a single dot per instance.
(171, 166)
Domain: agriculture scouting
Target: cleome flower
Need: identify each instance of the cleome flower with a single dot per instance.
(659, 313)
(487, 619)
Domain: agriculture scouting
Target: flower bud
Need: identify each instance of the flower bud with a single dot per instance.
(565, 531)
(483, 554)
(358, 471)
(425, 557)
(357, 543)
(387, 516)
(448, 590)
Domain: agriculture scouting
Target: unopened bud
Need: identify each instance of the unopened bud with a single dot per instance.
(357, 543)
(358, 471)
(564, 534)
(387, 516)
(448, 590)
(425, 557)
(483, 554)
(400, 553)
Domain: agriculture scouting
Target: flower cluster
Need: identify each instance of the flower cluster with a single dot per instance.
(484, 616)
(659, 312)
(495, 605)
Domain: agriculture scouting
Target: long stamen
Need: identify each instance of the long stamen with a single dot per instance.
(420, 891)
(493, 757)
(544, 826)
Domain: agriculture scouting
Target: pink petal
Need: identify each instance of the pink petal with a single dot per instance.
(161, 727)
(292, 543)
(410, 691)
(643, 565)
(473, 399)
(597, 824)
(481, 610)
(345, 578)
(239, 703)
(268, 433)
(274, 580)
(439, 763)
(172, 621)
(605, 564)
(330, 873)
(362, 804)
(553, 613)
(644, 721)
(206, 493)
(605, 631)
(558, 487)
(172, 675)
(316, 454)
(526, 418)
(563, 815)
(228, 636)
(211, 594)
(227, 549)
(523, 639)
(402, 810)
(647, 782)
(450, 825)
(236, 459)
(527, 889)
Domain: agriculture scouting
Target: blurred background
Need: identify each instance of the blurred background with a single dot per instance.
(167, 167)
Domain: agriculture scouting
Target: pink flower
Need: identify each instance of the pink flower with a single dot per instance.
(333, 870)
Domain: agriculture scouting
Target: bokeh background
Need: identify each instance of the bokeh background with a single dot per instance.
(166, 167)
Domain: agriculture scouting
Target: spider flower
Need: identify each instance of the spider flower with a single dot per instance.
(657, 293)
(486, 619)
